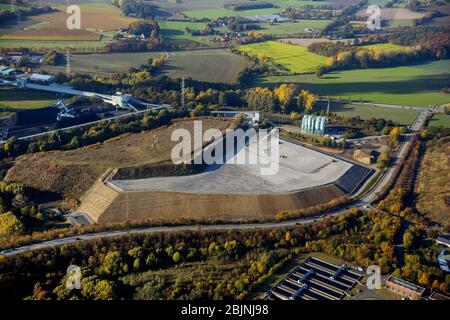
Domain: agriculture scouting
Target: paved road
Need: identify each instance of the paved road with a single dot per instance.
(150, 230)
(401, 152)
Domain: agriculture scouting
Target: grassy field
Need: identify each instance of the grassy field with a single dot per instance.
(404, 117)
(295, 58)
(213, 65)
(291, 28)
(14, 100)
(416, 85)
(176, 31)
(440, 120)
(216, 9)
(400, 23)
(105, 62)
(73, 172)
(433, 187)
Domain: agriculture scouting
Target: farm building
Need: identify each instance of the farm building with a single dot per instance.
(404, 288)
(271, 18)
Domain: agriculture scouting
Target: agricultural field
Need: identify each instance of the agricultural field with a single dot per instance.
(104, 62)
(391, 14)
(212, 65)
(400, 23)
(175, 31)
(70, 173)
(433, 187)
(291, 28)
(214, 9)
(440, 120)
(296, 59)
(402, 116)
(415, 85)
(13, 100)
(96, 18)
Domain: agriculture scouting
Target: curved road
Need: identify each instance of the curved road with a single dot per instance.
(363, 203)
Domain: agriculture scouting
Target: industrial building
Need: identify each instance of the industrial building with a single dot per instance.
(444, 261)
(405, 289)
(314, 125)
(315, 279)
(41, 78)
(443, 239)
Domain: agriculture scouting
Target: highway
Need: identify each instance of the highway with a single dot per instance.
(362, 203)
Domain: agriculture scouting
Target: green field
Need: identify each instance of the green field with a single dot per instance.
(219, 11)
(296, 59)
(176, 30)
(440, 120)
(14, 100)
(105, 62)
(417, 85)
(214, 65)
(402, 116)
(400, 23)
(291, 28)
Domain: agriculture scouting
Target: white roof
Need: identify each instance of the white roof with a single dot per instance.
(44, 77)
(7, 71)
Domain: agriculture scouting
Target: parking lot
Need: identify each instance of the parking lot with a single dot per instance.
(315, 279)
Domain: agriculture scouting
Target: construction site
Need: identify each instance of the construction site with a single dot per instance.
(305, 178)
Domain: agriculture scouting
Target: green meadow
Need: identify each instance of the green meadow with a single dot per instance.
(296, 59)
(415, 85)
(440, 120)
(402, 116)
(220, 11)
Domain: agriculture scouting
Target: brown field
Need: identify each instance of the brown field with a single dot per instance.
(394, 14)
(433, 187)
(52, 34)
(94, 18)
(71, 173)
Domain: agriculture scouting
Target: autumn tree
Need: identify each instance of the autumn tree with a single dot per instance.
(285, 95)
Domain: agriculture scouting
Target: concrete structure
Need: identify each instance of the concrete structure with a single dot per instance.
(305, 178)
(438, 296)
(315, 279)
(405, 289)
